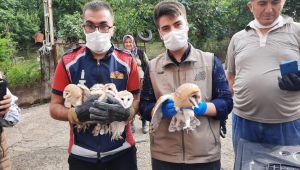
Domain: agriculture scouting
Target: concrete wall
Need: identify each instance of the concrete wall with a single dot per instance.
(32, 95)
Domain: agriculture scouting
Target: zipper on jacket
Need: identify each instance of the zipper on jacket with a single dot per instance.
(98, 155)
(98, 71)
(183, 148)
(177, 85)
(212, 131)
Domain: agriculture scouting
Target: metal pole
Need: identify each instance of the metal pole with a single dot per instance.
(54, 54)
(51, 22)
(46, 15)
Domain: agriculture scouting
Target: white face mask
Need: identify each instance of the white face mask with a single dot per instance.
(260, 26)
(175, 40)
(98, 42)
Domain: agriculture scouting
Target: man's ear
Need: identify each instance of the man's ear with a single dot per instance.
(249, 4)
(159, 34)
(282, 4)
(114, 28)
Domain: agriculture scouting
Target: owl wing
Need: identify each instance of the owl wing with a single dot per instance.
(157, 112)
(85, 91)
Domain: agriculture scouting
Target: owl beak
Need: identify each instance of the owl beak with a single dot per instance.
(193, 101)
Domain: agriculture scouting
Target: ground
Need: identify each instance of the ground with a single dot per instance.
(40, 142)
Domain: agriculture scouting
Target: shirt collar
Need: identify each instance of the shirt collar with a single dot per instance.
(183, 58)
(188, 56)
(285, 20)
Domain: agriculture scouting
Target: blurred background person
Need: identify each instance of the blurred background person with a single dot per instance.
(9, 116)
(142, 60)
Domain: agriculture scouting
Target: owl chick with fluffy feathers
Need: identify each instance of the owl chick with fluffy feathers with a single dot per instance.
(75, 95)
(186, 97)
(117, 128)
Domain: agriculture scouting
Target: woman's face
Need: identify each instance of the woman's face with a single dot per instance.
(128, 44)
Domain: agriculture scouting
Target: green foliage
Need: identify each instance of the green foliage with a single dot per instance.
(69, 27)
(19, 21)
(24, 74)
(5, 65)
(292, 9)
(7, 49)
(215, 20)
(153, 49)
(218, 47)
(132, 16)
(66, 7)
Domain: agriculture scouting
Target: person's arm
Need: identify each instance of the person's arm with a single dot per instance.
(221, 103)
(133, 85)
(57, 109)
(230, 78)
(147, 99)
(135, 104)
(5, 104)
(230, 65)
(60, 80)
(13, 114)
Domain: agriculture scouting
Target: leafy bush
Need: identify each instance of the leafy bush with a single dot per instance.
(217, 47)
(21, 24)
(5, 65)
(69, 27)
(24, 74)
(7, 49)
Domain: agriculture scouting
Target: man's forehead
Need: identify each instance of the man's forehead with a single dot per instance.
(172, 20)
(103, 15)
(266, 0)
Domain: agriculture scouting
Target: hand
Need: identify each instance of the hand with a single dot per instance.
(290, 82)
(5, 105)
(168, 108)
(81, 113)
(110, 111)
(201, 109)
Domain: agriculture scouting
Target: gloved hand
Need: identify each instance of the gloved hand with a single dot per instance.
(168, 108)
(81, 113)
(290, 82)
(107, 112)
(201, 109)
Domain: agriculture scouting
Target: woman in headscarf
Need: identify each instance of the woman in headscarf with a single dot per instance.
(141, 59)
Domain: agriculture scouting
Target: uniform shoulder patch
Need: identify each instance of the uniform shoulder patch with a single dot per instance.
(122, 51)
(72, 50)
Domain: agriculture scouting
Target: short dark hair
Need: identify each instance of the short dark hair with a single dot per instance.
(96, 6)
(170, 8)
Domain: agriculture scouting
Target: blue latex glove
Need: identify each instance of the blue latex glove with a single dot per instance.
(201, 109)
(168, 108)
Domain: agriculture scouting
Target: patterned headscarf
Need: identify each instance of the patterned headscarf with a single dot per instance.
(133, 51)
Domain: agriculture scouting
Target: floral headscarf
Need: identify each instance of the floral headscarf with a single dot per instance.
(133, 51)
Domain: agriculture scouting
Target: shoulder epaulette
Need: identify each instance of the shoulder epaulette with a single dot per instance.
(72, 50)
(122, 50)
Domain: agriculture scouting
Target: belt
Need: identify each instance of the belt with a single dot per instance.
(80, 151)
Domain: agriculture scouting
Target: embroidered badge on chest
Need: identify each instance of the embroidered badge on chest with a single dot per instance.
(82, 79)
(200, 76)
(116, 75)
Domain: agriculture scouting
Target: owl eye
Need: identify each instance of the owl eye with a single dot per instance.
(195, 96)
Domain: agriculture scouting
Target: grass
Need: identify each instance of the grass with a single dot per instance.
(153, 49)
